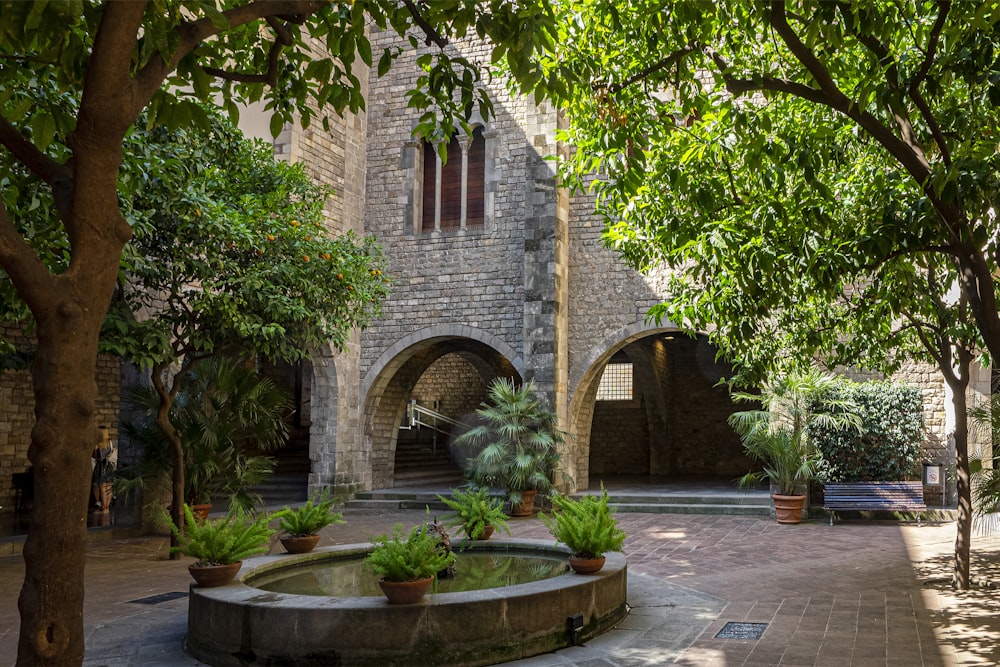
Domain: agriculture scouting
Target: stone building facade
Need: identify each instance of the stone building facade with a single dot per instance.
(531, 293)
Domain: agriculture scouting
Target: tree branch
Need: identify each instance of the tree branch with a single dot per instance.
(28, 154)
(22, 265)
(149, 79)
(432, 35)
(663, 63)
(925, 66)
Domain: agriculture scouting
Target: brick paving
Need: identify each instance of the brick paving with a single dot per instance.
(858, 593)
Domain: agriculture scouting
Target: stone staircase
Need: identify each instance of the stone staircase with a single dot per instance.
(716, 501)
(421, 462)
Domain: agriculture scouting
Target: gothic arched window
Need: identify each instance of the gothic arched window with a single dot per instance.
(454, 191)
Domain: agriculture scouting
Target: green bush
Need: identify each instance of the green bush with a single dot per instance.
(417, 556)
(889, 446)
(474, 510)
(587, 526)
(317, 513)
(222, 541)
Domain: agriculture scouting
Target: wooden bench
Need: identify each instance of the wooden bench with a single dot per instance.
(884, 496)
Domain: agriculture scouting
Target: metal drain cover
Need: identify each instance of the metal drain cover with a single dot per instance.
(733, 630)
(162, 597)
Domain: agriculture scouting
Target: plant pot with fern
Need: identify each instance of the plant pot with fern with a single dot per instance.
(477, 512)
(220, 545)
(302, 524)
(407, 564)
(587, 526)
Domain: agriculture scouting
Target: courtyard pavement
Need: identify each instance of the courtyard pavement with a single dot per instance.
(858, 593)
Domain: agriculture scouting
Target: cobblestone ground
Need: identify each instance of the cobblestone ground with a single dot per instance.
(858, 593)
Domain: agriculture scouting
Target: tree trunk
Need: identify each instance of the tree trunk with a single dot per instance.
(959, 383)
(62, 440)
(173, 439)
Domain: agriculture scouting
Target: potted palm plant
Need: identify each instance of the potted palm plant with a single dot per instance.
(477, 512)
(777, 434)
(302, 524)
(220, 545)
(588, 527)
(407, 565)
(516, 445)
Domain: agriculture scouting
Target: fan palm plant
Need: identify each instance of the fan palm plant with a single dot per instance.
(984, 467)
(226, 414)
(777, 434)
(516, 444)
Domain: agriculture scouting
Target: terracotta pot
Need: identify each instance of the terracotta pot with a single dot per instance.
(788, 509)
(201, 511)
(483, 534)
(299, 544)
(214, 575)
(586, 565)
(527, 505)
(405, 592)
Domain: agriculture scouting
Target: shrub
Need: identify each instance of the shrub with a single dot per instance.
(417, 556)
(317, 513)
(587, 526)
(222, 541)
(474, 510)
(889, 446)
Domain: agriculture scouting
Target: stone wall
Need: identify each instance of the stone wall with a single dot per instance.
(472, 277)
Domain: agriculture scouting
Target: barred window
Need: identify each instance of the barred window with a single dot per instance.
(616, 383)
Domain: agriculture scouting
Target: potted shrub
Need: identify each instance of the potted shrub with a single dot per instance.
(516, 445)
(777, 435)
(407, 565)
(302, 524)
(220, 545)
(588, 527)
(476, 511)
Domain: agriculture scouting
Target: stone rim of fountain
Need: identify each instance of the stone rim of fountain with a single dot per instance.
(236, 624)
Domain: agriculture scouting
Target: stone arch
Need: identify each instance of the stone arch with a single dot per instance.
(388, 385)
(674, 428)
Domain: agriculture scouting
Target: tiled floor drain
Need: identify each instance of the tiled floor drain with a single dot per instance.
(734, 630)
(162, 597)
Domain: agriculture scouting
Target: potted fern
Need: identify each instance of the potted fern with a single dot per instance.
(407, 565)
(302, 524)
(476, 511)
(220, 545)
(588, 527)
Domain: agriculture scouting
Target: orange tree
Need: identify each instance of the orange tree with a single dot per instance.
(114, 60)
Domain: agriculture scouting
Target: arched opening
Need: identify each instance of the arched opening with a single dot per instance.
(417, 403)
(658, 413)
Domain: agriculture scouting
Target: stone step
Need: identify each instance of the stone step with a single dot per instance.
(734, 498)
(693, 508)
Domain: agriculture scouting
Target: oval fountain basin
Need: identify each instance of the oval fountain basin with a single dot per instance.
(474, 570)
(242, 624)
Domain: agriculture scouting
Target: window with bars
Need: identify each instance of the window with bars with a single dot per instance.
(616, 383)
(454, 190)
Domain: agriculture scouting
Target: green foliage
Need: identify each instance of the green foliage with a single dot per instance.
(308, 519)
(888, 447)
(407, 558)
(230, 248)
(985, 466)
(813, 172)
(778, 434)
(516, 445)
(586, 525)
(224, 540)
(225, 412)
(474, 510)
